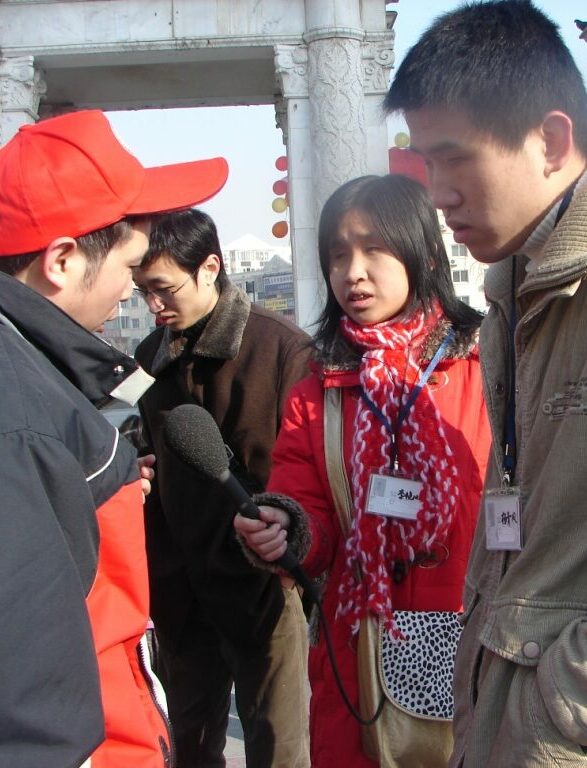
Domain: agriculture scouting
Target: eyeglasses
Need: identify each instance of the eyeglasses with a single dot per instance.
(163, 294)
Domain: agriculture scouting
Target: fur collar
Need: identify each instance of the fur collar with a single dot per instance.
(220, 339)
(341, 356)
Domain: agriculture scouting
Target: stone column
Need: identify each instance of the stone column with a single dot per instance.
(21, 88)
(331, 89)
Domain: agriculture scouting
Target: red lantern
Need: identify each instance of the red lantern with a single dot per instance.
(280, 229)
(280, 187)
(281, 163)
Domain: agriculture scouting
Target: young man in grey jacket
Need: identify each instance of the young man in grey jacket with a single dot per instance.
(498, 110)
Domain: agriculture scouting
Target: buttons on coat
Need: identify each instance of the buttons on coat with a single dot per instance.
(531, 649)
(499, 388)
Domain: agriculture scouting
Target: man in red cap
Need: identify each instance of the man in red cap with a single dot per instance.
(75, 210)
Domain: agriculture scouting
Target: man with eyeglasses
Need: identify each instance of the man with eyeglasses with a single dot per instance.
(218, 619)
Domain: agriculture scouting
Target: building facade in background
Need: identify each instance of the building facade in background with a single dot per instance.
(468, 275)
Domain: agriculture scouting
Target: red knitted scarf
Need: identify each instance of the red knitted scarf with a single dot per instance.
(389, 370)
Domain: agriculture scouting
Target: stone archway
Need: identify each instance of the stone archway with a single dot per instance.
(324, 65)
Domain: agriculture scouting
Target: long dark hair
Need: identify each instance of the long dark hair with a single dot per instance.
(403, 216)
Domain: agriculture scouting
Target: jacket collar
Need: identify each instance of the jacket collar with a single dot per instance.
(92, 365)
(221, 338)
(564, 259)
(565, 253)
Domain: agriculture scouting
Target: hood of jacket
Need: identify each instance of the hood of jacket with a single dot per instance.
(91, 364)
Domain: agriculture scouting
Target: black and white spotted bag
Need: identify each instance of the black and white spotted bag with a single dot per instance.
(416, 672)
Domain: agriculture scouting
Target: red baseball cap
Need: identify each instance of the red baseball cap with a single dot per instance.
(70, 175)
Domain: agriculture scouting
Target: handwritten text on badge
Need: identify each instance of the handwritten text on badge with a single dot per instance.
(503, 529)
(394, 496)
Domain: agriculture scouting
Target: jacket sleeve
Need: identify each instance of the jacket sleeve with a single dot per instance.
(562, 680)
(299, 471)
(50, 707)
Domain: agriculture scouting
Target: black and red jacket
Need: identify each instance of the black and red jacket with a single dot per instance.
(73, 577)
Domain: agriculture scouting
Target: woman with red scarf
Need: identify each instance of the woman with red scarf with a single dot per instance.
(401, 350)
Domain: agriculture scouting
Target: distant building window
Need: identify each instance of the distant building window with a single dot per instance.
(459, 250)
(124, 304)
(465, 299)
(124, 321)
(136, 322)
(134, 302)
(460, 275)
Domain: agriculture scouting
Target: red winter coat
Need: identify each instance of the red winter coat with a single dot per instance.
(299, 471)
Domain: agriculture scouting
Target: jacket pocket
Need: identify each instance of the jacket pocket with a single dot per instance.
(549, 742)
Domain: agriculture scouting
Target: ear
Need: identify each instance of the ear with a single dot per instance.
(61, 261)
(559, 144)
(209, 269)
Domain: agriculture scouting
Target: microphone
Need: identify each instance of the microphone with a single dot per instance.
(193, 436)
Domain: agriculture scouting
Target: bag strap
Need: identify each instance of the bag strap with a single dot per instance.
(370, 634)
(333, 452)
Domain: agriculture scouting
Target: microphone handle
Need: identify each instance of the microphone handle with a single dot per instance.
(247, 507)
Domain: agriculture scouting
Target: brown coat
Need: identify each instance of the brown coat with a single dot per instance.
(240, 369)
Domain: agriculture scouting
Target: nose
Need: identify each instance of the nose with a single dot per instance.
(127, 292)
(356, 270)
(443, 192)
(154, 303)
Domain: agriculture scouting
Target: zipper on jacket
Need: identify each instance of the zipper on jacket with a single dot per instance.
(168, 752)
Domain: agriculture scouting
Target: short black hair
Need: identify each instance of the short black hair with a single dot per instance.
(188, 237)
(402, 214)
(502, 62)
(96, 246)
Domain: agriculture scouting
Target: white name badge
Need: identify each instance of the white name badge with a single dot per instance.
(133, 387)
(394, 496)
(503, 525)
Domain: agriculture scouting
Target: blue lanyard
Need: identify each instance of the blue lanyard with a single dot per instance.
(405, 409)
(509, 445)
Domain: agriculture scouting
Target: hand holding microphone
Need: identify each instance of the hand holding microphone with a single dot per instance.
(267, 537)
(193, 436)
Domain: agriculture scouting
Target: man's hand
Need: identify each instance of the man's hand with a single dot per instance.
(266, 537)
(147, 473)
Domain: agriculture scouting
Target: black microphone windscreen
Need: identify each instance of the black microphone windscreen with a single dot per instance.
(193, 436)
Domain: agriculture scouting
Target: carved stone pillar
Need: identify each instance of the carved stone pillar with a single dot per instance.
(329, 106)
(293, 116)
(339, 139)
(21, 88)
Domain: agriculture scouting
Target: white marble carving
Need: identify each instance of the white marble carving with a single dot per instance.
(339, 136)
(378, 59)
(291, 70)
(21, 88)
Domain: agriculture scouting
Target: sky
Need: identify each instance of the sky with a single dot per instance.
(248, 138)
